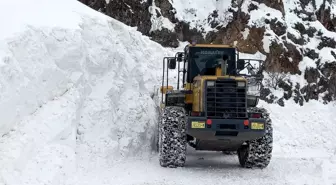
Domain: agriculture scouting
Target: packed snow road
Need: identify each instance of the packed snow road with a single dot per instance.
(213, 168)
(303, 153)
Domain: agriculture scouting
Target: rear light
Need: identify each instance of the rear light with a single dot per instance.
(208, 121)
(256, 115)
(246, 122)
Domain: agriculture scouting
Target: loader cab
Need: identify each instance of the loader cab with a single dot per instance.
(203, 59)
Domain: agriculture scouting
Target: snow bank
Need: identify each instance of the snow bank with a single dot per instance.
(72, 91)
(33, 70)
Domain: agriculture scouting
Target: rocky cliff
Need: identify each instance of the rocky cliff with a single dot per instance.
(297, 37)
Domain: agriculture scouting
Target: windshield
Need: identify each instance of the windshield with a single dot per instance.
(204, 60)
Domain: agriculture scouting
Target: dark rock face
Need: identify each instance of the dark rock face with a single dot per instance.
(324, 16)
(185, 33)
(285, 53)
(296, 40)
(312, 75)
(266, 95)
(95, 4)
(278, 27)
(327, 42)
(278, 59)
(232, 33)
(165, 37)
(303, 12)
(167, 10)
(311, 53)
(287, 87)
(131, 12)
(298, 98)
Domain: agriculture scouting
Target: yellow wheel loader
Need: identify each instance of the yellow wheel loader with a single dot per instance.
(213, 107)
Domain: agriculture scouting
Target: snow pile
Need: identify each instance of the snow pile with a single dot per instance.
(74, 95)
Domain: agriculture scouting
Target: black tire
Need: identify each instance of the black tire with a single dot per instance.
(172, 137)
(258, 153)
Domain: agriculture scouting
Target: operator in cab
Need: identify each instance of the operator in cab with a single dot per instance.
(227, 66)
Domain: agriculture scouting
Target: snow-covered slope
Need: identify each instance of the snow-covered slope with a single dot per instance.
(75, 89)
(75, 108)
(295, 36)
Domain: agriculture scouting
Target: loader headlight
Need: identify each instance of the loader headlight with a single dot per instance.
(210, 83)
(241, 84)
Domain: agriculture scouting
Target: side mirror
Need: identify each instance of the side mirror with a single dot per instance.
(171, 63)
(240, 64)
(179, 57)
